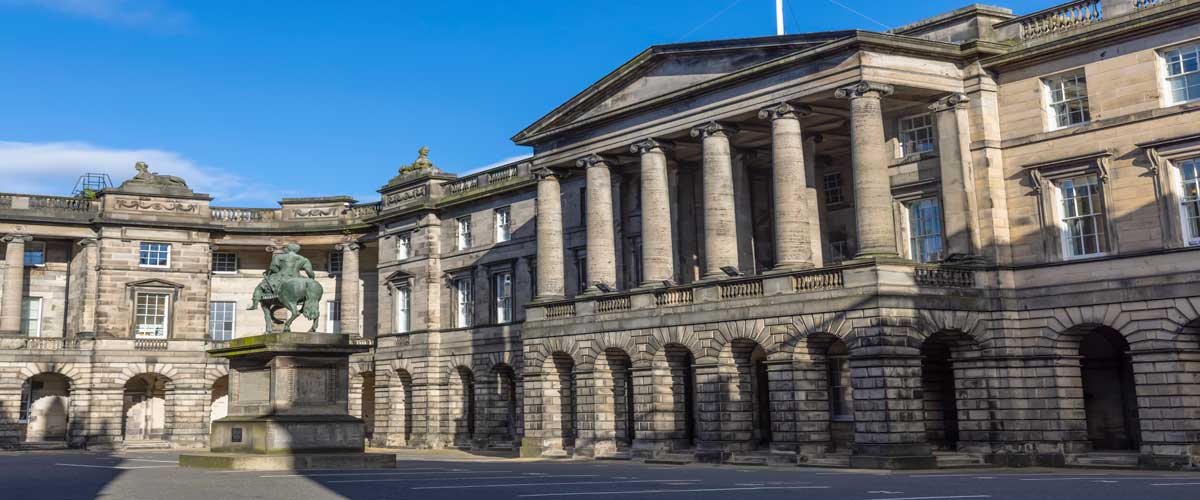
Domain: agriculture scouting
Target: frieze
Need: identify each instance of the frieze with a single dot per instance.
(157, 206)
(407, 195)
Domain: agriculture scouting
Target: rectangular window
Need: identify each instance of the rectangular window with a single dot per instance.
(333, 316)
(833, 188)
(150, 315)
(837, 250)
(403, 307)
(1189, 195)
(464, 302)
(403, 246)
(502, 291)
(221, 316)
(31, 316)
(35, 254)
(1068, 100)
(335, 262)
(916, 133)
(154, 254)
(503, 224)
(1183, 73)
(224, 262)
(925, 229)
(1082, 216)
(463, 230)
(581, 269)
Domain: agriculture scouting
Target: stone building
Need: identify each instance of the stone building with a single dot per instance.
(966, 239)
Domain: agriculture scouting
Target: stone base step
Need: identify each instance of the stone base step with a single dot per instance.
(750, 459)
(502, 447)
(957, 460)
(616, 455)
(557, 454)
(145, 445)
(837, 461)
(40, 445)
(1104, 460)
(672, 459)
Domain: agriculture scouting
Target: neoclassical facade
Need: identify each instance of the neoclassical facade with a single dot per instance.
(969, 239)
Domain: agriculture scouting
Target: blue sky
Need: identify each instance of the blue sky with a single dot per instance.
(255, 100)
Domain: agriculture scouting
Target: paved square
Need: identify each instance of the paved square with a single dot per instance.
(155, 476)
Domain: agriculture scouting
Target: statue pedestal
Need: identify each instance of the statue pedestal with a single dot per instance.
(288, 396)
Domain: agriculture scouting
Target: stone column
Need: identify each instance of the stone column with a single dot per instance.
(658, 249)
(14, 282)
(89, 249)
(793, 249)
(720, 235)
(348, 282)
(869, 159)
(601, 236)
(549, 237)
(958, 178)
(814, 209)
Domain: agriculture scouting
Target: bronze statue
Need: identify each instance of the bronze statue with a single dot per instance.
(283, 287)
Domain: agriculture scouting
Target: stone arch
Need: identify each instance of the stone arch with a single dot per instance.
(68, 370)
(489, 361)
(396, 366)
(454, 363)
(163, 369)
(48, 406)
(214, 372)
(659, 338)
(148, 402)
(396, 427)
(744, 397)
(969, 323)
(807, 325)
(602, 342)
(543, 350)
(460, 380)
(360, 367)
(753, 330)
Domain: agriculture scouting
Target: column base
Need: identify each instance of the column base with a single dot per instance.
(789, 268)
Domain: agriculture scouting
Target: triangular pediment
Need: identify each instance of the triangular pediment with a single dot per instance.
(671, 69)
(398, 277)
(153, 283)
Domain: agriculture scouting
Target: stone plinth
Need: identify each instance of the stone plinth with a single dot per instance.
(288, 396)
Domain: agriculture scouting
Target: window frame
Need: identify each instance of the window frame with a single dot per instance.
(41, 249)
(463, 288)
(901, 130)
(502, 304)
(166, 314)
(330, 258)
(910, 236)
(41, 314)
(1100, 219)
(1166, 78)
(505, 213)
(839, 188)
(1052, 115)
(236, 263)
(463, 237)
(1045, 178)
(232, 318)
(144, 249)
(402, 295)
(404, 240)
(333, 316)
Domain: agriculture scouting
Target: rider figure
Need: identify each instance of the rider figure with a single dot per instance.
(284, 266)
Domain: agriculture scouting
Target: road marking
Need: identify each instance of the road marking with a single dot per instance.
(685, 482)
(1175, 484)
(148, 460)
(119, 467)
(886, 492)
(698, 490)
(456, 479)
(1005, 475)
(456, 471)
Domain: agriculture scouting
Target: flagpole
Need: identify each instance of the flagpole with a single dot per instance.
(779, 17)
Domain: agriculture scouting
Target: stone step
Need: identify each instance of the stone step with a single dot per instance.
(957, 460)
(749, 459)
(672, 459)
(837, 461)
(41, 445)
(1105, 460)
(145, 445)
(616, 455)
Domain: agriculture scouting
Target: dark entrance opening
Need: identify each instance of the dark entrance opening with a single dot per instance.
(941, 403)
(1109, 402)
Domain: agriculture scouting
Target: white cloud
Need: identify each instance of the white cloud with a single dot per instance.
(492, 165)
(54, 167)
(153, 14)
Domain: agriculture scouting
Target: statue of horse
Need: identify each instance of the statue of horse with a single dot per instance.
(299, 296)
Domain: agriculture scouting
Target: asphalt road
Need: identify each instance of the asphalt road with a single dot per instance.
(146, 475)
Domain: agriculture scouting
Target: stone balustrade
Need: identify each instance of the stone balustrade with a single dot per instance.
(50, 343)
(488, 179)
(798, 283)
(151, 344)
(1069, 16)
(231, 214)
(51, 205)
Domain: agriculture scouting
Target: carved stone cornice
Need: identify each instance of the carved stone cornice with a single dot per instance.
(713, 129)
(948, 102)
(647, 146)
(784, 110)
(864, 89)
(594, 160)
(16, 238)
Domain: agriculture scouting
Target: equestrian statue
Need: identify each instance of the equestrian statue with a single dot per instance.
(283, 287)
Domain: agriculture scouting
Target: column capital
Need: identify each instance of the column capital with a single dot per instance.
(713, 128)
(593, 160)
(16, 238)
(546, 173)
(348, 246)
(784, 110)
(952, 101)
(88, 242)
(864, 89)
(648, 146)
